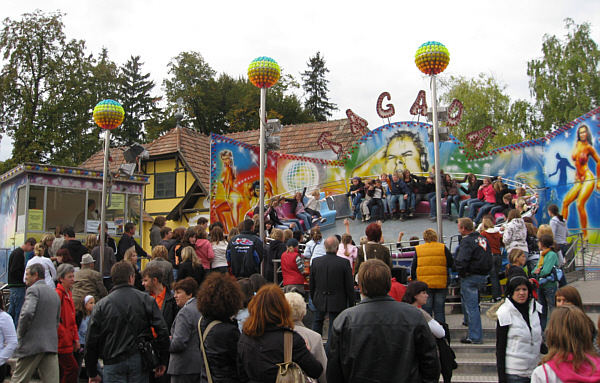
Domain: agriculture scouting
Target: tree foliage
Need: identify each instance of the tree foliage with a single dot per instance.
(315, 88)
(139, 105)
(566, 80)
(485, 103)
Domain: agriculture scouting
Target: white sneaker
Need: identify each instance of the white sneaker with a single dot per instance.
(323, 219)
(368, 217)
(315, 220)
(363, 218)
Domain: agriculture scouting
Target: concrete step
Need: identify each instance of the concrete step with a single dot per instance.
(456, 334)
(473, 378)
(482, 364)
(465, 351)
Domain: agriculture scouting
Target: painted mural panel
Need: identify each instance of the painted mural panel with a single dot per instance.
(8, 210)
(234, 180)
(572, 165)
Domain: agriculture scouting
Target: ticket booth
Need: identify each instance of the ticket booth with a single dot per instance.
(35, 199)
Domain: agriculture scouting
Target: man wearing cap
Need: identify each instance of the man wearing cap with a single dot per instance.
(88, 281)
(292, 268)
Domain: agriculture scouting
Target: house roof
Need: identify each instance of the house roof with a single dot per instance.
(193, 147)
(303, 138)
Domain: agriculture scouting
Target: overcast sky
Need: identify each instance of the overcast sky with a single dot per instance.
(369, 47)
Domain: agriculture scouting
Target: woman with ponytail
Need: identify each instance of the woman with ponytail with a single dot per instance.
(559, 228)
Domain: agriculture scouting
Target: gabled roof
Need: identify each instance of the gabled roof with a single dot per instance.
(192, 146)
(303, 138)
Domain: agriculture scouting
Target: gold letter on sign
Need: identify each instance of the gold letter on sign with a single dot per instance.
(358, 125)
(385, 113)
(420, 105)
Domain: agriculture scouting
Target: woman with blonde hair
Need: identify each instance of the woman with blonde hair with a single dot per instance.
(91, 241)
(47, 241)
(190, 266)
(571, 356)
(49, 269)
(132, 257)
(430, 265)
(261, 345)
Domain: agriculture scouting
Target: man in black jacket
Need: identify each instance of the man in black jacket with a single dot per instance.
(473, 264)
(110, 331)
(381, 340)
(331, 286)
(127, 241)
(245, 252)
(76, 249)
(16, 286)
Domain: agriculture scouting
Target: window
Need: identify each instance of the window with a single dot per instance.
(164, 185)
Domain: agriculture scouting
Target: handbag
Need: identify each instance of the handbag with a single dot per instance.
(202, 339)
(289, 372)
(555, 276)
(149, 349)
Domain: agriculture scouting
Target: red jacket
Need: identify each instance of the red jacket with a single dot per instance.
(289, 269)
(487, 194)
(397, 290)
(67, 328)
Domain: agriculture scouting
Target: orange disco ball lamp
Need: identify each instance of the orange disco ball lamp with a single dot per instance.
(264, 72)
(432, 58)
(108, 114)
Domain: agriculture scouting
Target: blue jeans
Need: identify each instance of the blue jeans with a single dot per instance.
(452, 199)
(546, 299)
(293, 220)
(307, 218)
(17, 297)
(464, 204)
(436, 303)
(396, 199)
(432, 204)
(485, 209)
(356, 200)
(469, 289)
(127, 371)
(494, 279)
(517, 379)
(474, 207)
(317, 326)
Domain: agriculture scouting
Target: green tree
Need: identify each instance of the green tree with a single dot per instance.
(137, 101)
(565, 81)
(485, 103)
(45, 95)
(193, 80)
(315, 88)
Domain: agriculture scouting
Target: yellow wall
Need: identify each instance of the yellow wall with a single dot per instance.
(184, 180)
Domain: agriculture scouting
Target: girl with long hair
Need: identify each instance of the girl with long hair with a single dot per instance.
(219, 246)
(191, 266)
(571, 356)
(347, 250)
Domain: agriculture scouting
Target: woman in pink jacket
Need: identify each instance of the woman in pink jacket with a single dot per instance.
(486, 195)
(203, 247)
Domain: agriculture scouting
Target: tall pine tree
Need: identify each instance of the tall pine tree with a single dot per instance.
(315, 89)
(138, 103)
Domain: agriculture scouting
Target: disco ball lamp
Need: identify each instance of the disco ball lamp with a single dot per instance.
(108, 114)
(432, 58)
(264, 72)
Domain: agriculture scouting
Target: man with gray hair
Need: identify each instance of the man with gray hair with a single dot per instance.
(331, 286)
(381, 340)
(38, 330)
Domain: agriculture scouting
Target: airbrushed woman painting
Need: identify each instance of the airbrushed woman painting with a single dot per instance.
(583, 186)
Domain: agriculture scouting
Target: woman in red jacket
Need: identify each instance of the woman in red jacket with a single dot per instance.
(68, 336)
(486, 195)
(292, 268)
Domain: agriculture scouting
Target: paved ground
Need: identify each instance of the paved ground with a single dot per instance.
(415, 226)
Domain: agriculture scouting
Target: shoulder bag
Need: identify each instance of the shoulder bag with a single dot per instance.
(149, 349)
(289, 372)
(202, 339)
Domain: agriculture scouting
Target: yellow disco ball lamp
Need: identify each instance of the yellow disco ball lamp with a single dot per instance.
(108, 114)
(432, 58)
(264, 72)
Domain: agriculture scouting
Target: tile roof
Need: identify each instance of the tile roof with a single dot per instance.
(193, 146)
(303, 138)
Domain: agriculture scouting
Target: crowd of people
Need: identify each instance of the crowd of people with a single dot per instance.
(396, 196)
(205, 308)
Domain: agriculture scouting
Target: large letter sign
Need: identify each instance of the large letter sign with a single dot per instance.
(385, 113)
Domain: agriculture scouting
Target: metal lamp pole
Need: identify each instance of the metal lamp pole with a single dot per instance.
(263, 117)
(436, 156)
